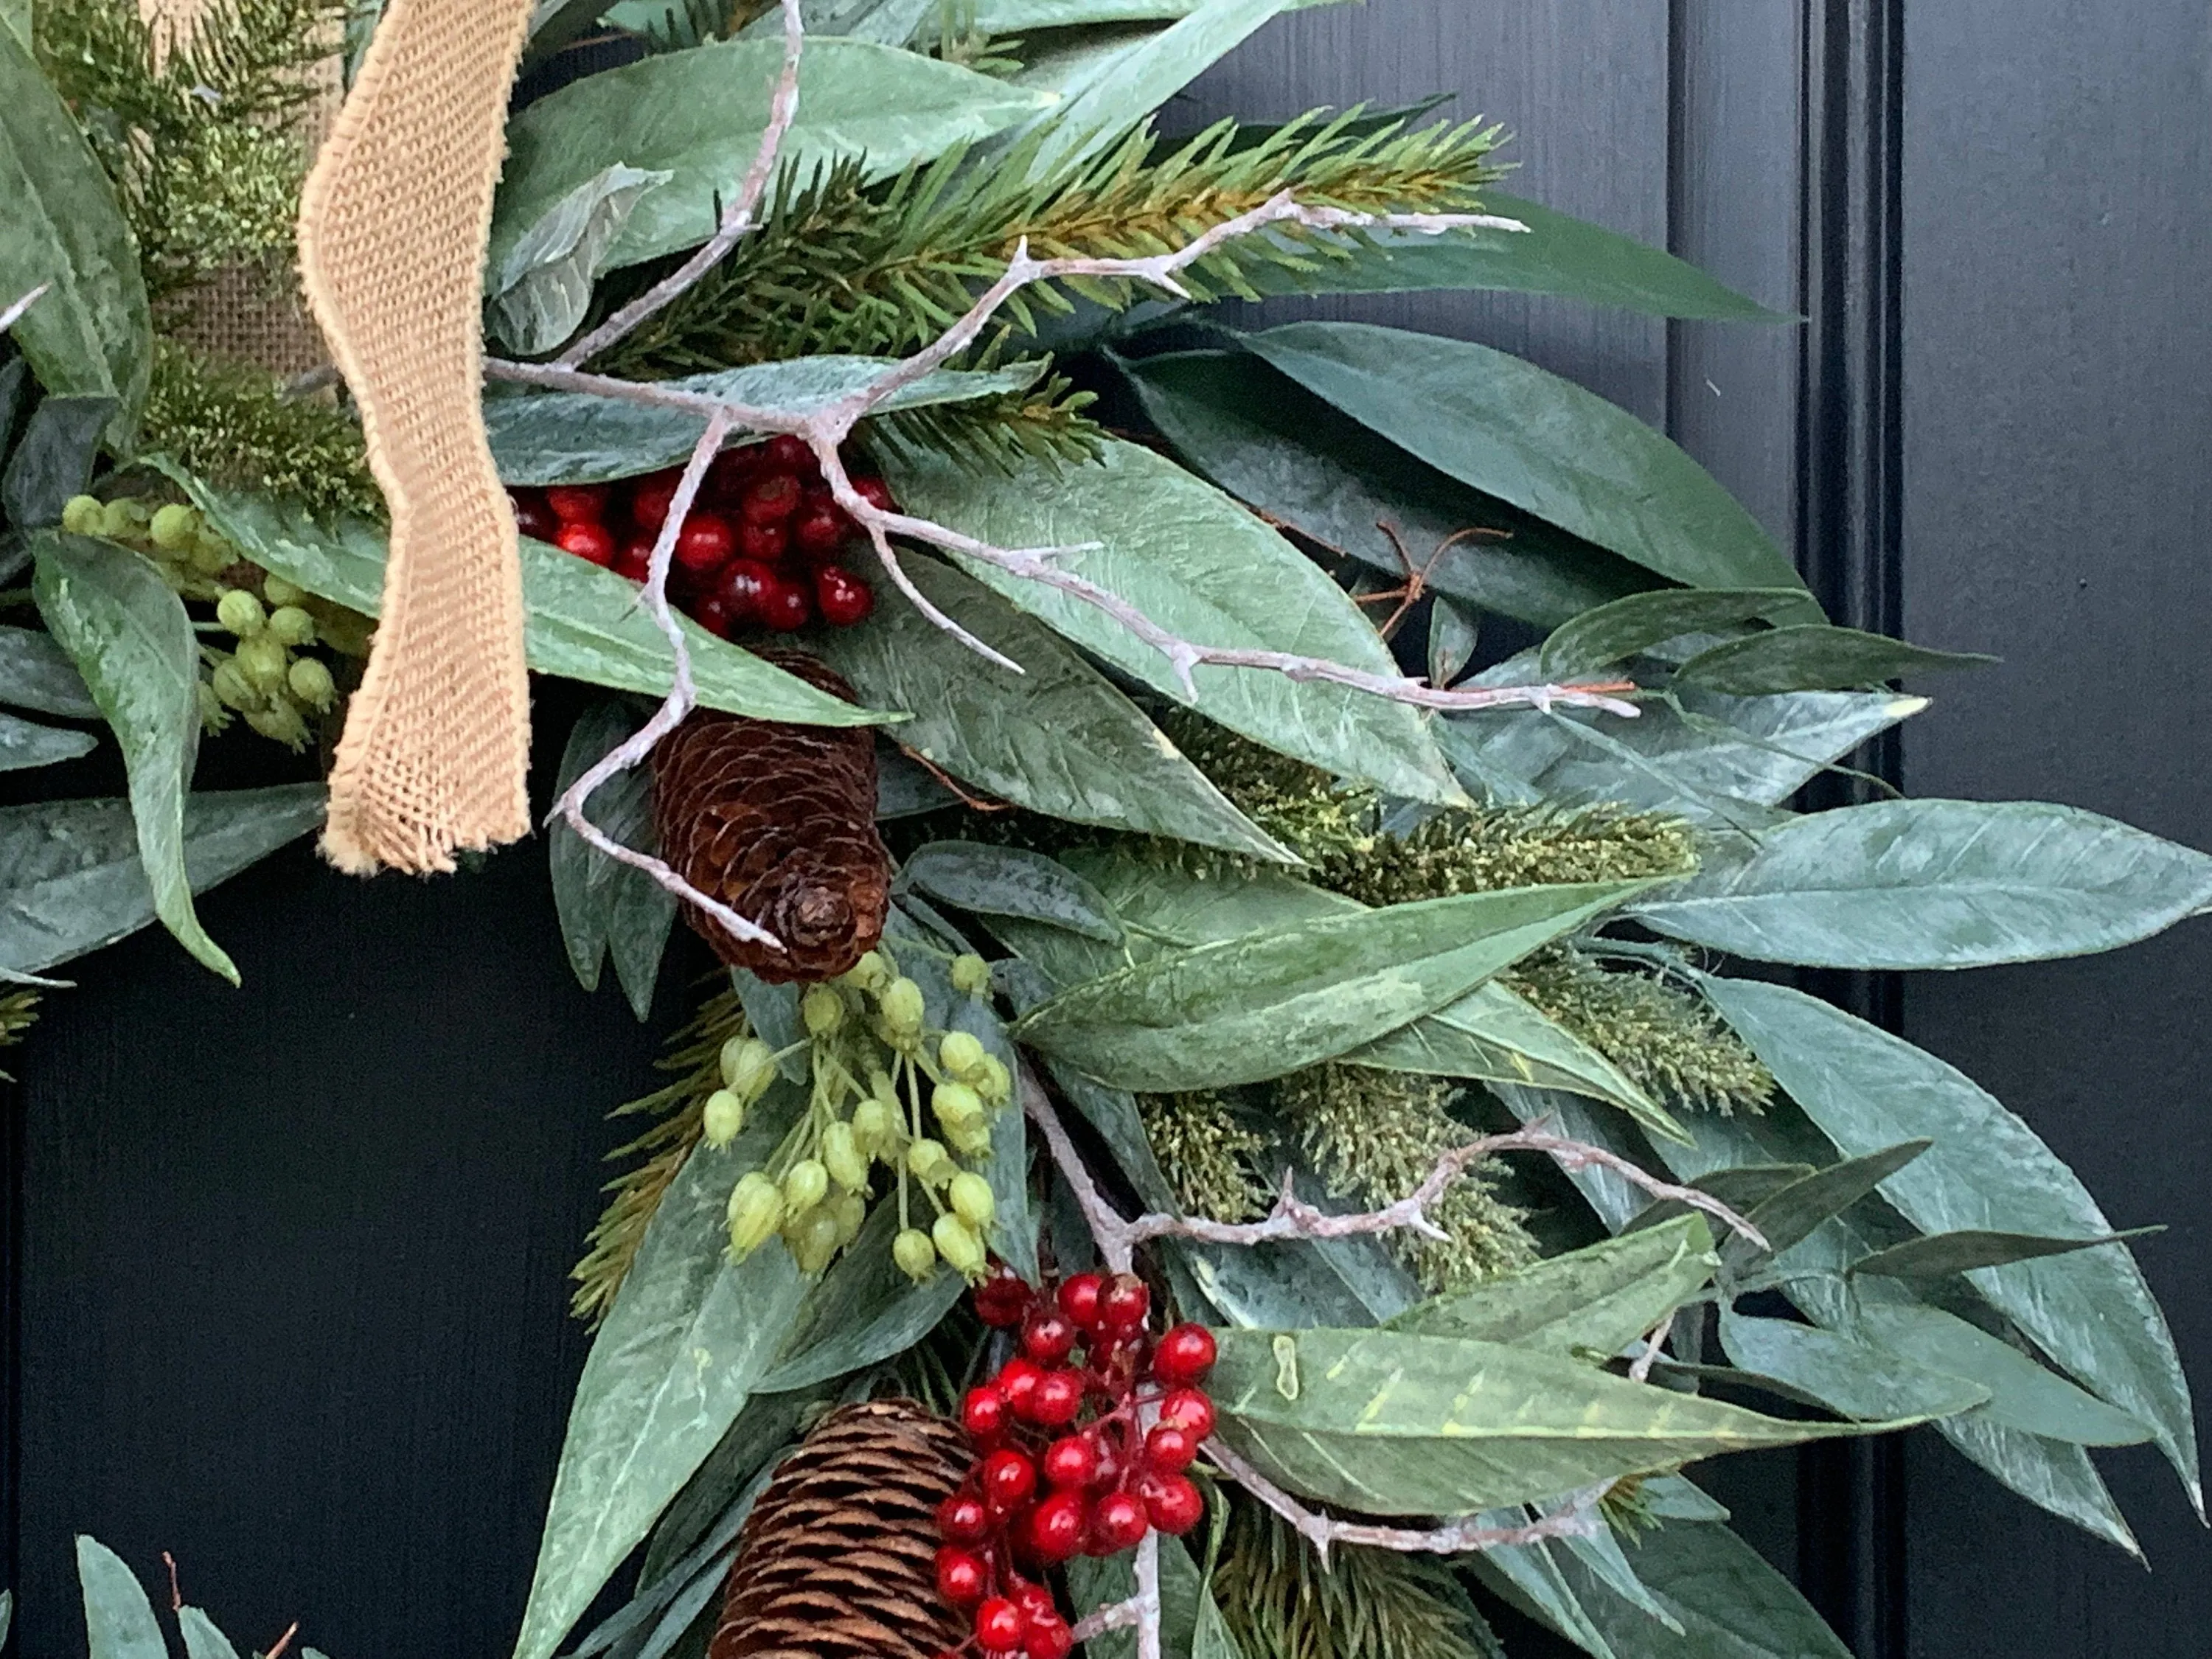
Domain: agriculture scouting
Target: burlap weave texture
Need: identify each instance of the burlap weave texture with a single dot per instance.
(392, 230)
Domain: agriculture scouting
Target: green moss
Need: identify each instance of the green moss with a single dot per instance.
(232, 425)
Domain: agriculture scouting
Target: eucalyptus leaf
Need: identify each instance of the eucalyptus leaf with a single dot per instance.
(601, 903)
(1810, 657)
(575, 437)
(1854, 1377)
(130, 639)
(202, 1639)
(37, 674)
(1601, 1557)
(690, 1528)
(1453, 637)
(1266, 440)
(862, 1310)
(119, 1620)
(26, 743)
(1937, 883)
(2052, 1474)
(1257, 1007)
(1788, 1216)
(690, 1337)
(52, 461)
(1942, 1255)
(699, 115)
(2022, 1394)
(1202, 567)
(89, 335)
(1011, 881)
(1512, 430)
(1729, 1603)
(542, 291)
(1058, 738)
(1397, 1425)
(1630, 626)
(888, 22)
(2090, 1311)
(1528, 1577)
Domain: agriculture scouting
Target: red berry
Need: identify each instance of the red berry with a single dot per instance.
(1015, 1381)
(1048, 1638)
(1079, 1300)
(844, 597)
(730, 472)
(650, 498)
(742, 585)
(1009, 1478)
(1035, 1600)
(578, 503)
(1125, 1304)
(766, 542)
(635, 562)
(786, 606)
(1057, 1525)
(876, 493)
(787, 454)
(1002, 1298)
(705, 543)
(587, 540)
(960, 1577)
(532, 517)
(770, 499)
(1000, 1625)
(1172, 1505)
(1170, 1449)
(1055, 1401)
(1070, 1461)
(1048, 1338)
(713, 614)
(983, 1414)
(819, 529)
(963, 1519)
(1117, 1523)
(1184, 1354)
(1190, 1409)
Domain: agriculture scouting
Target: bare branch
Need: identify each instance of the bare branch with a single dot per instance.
(1121, 1615)
(737, 216)
(14, 314)
(1639, 1369)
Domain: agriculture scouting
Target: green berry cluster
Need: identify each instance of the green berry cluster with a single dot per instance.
(271, 677)
(883, 1080)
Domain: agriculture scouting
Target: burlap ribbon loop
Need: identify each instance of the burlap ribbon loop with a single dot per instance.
(392, 230)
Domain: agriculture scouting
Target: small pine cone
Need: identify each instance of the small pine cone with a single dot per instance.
(838, 1559)
(778, 821)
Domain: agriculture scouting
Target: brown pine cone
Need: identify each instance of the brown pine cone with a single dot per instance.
(838, 1559)
(779, 823)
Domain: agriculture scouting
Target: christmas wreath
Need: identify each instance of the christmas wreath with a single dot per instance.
(1243, 1110)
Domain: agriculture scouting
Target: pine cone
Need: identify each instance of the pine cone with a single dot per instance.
(838, 1558)
(779, 823)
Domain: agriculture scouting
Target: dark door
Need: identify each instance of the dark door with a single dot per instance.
(284, 1266)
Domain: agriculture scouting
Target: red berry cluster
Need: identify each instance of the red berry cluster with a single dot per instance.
(760, 548)
(1067, 1468)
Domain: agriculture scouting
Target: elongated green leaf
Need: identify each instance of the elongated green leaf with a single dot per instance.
(119, 1620)
(1813, 657)
(602, 903)
(1516, 431)
(1266, 440)
(1938, 883)
(1528, 1577)
(7, 1614)
(1729, 1602)
(52, 461)
(864, 1310)
(202, 1639)
(26, 743)
(1058, 739)
(130, 639)
(1202, 567)
(581, 622)
(1453, 636)
(1629, 626)
(571, 437)
(699, 116)
(1789, 1215)
(540, 293)
(1596, 1300)
(2023, 1395)
(89, 335)
(2090, 1311)
(1848, 1376)
(2052, 1474)
(888, 22)
(1943, 1254)
(1397, 1425)
(1260, 1006)
(36, 673)
(1011, 881)
(690, 1337)
(1012, 17)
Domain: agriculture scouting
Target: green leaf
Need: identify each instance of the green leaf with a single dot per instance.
(53, 460)
(1011, 881)
(863, 1310)
(1513, 430)
(1058, 739)
(1396, 1425)
(26, 743)
(690, 1337)
(1257, 1007)
(1937, 883)
(1012, 17)
(202, 1639)
(130, 639)
(1729, 1603)
(1855, 1378)
(1941, 1254)
(581, 622)
(1596, 1300)
(7, 1614)
(119, 1620)
(2052, 1475)
(572, 437)
(1628, 627)
(36, 673)
(699, 115)
(1558, 254)
(1816, 658)
(1453, 637)
(1202, 567)
(74, 882)
(1527, 1576)
(2090, 1311)
(2023, 1395)
(602, 903)
(1789, 1215)
(89, 336)
(1266, 440)
(542, 291)
(890, 23)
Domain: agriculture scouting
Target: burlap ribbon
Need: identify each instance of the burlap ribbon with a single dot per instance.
(393, 231)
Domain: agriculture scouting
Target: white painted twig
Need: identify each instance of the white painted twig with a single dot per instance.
(14, 314)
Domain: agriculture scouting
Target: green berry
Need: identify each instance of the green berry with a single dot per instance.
(971, 974)
(961, 1054)
(312, 683)
(722, 1116)
(823, 1010)
(997, 1084)
(928, 1161)
(971, 1140)
(875, 1127)
(806, 1185)
(213, 716)
(903, 1009)
(850, 1211)
(748, 1067)
(915, 1255)
(870, 974)
(232, 688)
(278, 592)
(957, 1243)
(123, 520)
(971, 1199)
(242, 613)
(264, 662)
(174, 527)
(280, 722)
(83, 515)
(292, 625)
(955, 1105)
(814, 1239)
(210, 553)
(842, 1157)
(755, 1212)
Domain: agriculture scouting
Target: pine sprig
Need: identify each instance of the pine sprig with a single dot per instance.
(839, 265)
(18, 1009)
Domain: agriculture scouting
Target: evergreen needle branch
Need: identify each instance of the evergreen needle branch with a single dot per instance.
(737, 216)
(14, 314)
